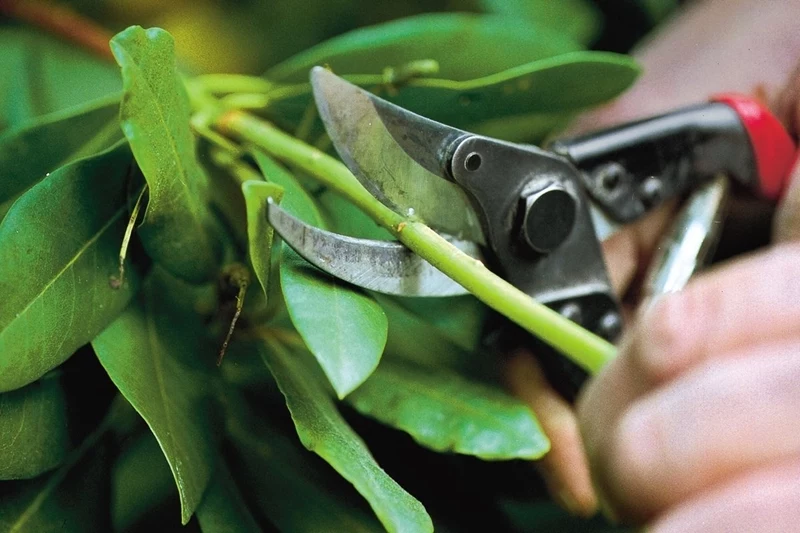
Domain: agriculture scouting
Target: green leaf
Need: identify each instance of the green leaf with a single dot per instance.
(72, 499)
(28, 153)
(342, 326)
(176, 230)
(141, 480)
(323, 430)
(59, 247)
(295, 199)
(259, 232)
(579, 19)
(345, 218)
(33, 422)
(544, 92)
(464, 45)
(289, 487)
(157, 356)
(448, 413)
(413, 338)
(532, 515)
(458, 318)
(43, 74)
(223, 509)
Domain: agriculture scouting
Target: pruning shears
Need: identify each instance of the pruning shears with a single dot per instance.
(538, 216)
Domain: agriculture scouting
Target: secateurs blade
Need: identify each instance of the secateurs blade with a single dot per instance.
(537, 216)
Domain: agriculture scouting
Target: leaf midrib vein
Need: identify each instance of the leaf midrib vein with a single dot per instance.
(66, 267)
(162, 118)
(155, 349)
(432, 393)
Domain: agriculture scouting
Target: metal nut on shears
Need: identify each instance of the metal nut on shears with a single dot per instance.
(548, 215)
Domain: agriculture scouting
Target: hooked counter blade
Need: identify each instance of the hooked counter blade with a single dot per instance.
(382, 266)
(400, 157)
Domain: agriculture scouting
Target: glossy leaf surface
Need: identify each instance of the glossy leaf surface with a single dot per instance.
(463, 44)
(259, 232)
(55, 269)
(342, 326)
(33, 423)
(156, 355)
(28, 153)
(448, 413)
(155, 119)
(323, 430)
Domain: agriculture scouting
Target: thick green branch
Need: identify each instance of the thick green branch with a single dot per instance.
(586, 349)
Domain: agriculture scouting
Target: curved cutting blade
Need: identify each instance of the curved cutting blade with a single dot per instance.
(400, 157)
(382, 266)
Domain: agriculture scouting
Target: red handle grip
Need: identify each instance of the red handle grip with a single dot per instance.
(773, 148)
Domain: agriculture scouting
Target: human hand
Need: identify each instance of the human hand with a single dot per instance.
(714, 46)
(695, 424)
(691, 428)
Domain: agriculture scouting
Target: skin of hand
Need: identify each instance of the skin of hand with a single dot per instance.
(712, 46)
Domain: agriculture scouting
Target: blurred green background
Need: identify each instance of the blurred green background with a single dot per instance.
(249, 36)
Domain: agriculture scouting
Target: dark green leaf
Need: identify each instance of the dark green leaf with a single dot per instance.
(28, 153)
(59, 246)
(579, 19)
(295, 199)
(43, 74)
(259, 232)
(413, 338)
(543, 93)
(448, 413)
(345, 218)
(176, 230)
(525, 128)
(342, 326)
(33, 422)
(72, 499)
(458, 318)
(323, 430)
(465, 46)
(223, 510)
(157, 356)
(289, 488)
(535, 516)
(141, 480)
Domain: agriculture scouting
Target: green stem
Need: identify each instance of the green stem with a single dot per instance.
(586, 349)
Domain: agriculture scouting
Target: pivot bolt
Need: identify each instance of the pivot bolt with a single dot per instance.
(548, 218)
(572, 311)
(609, 176)
(610, 325)
(651, 190)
